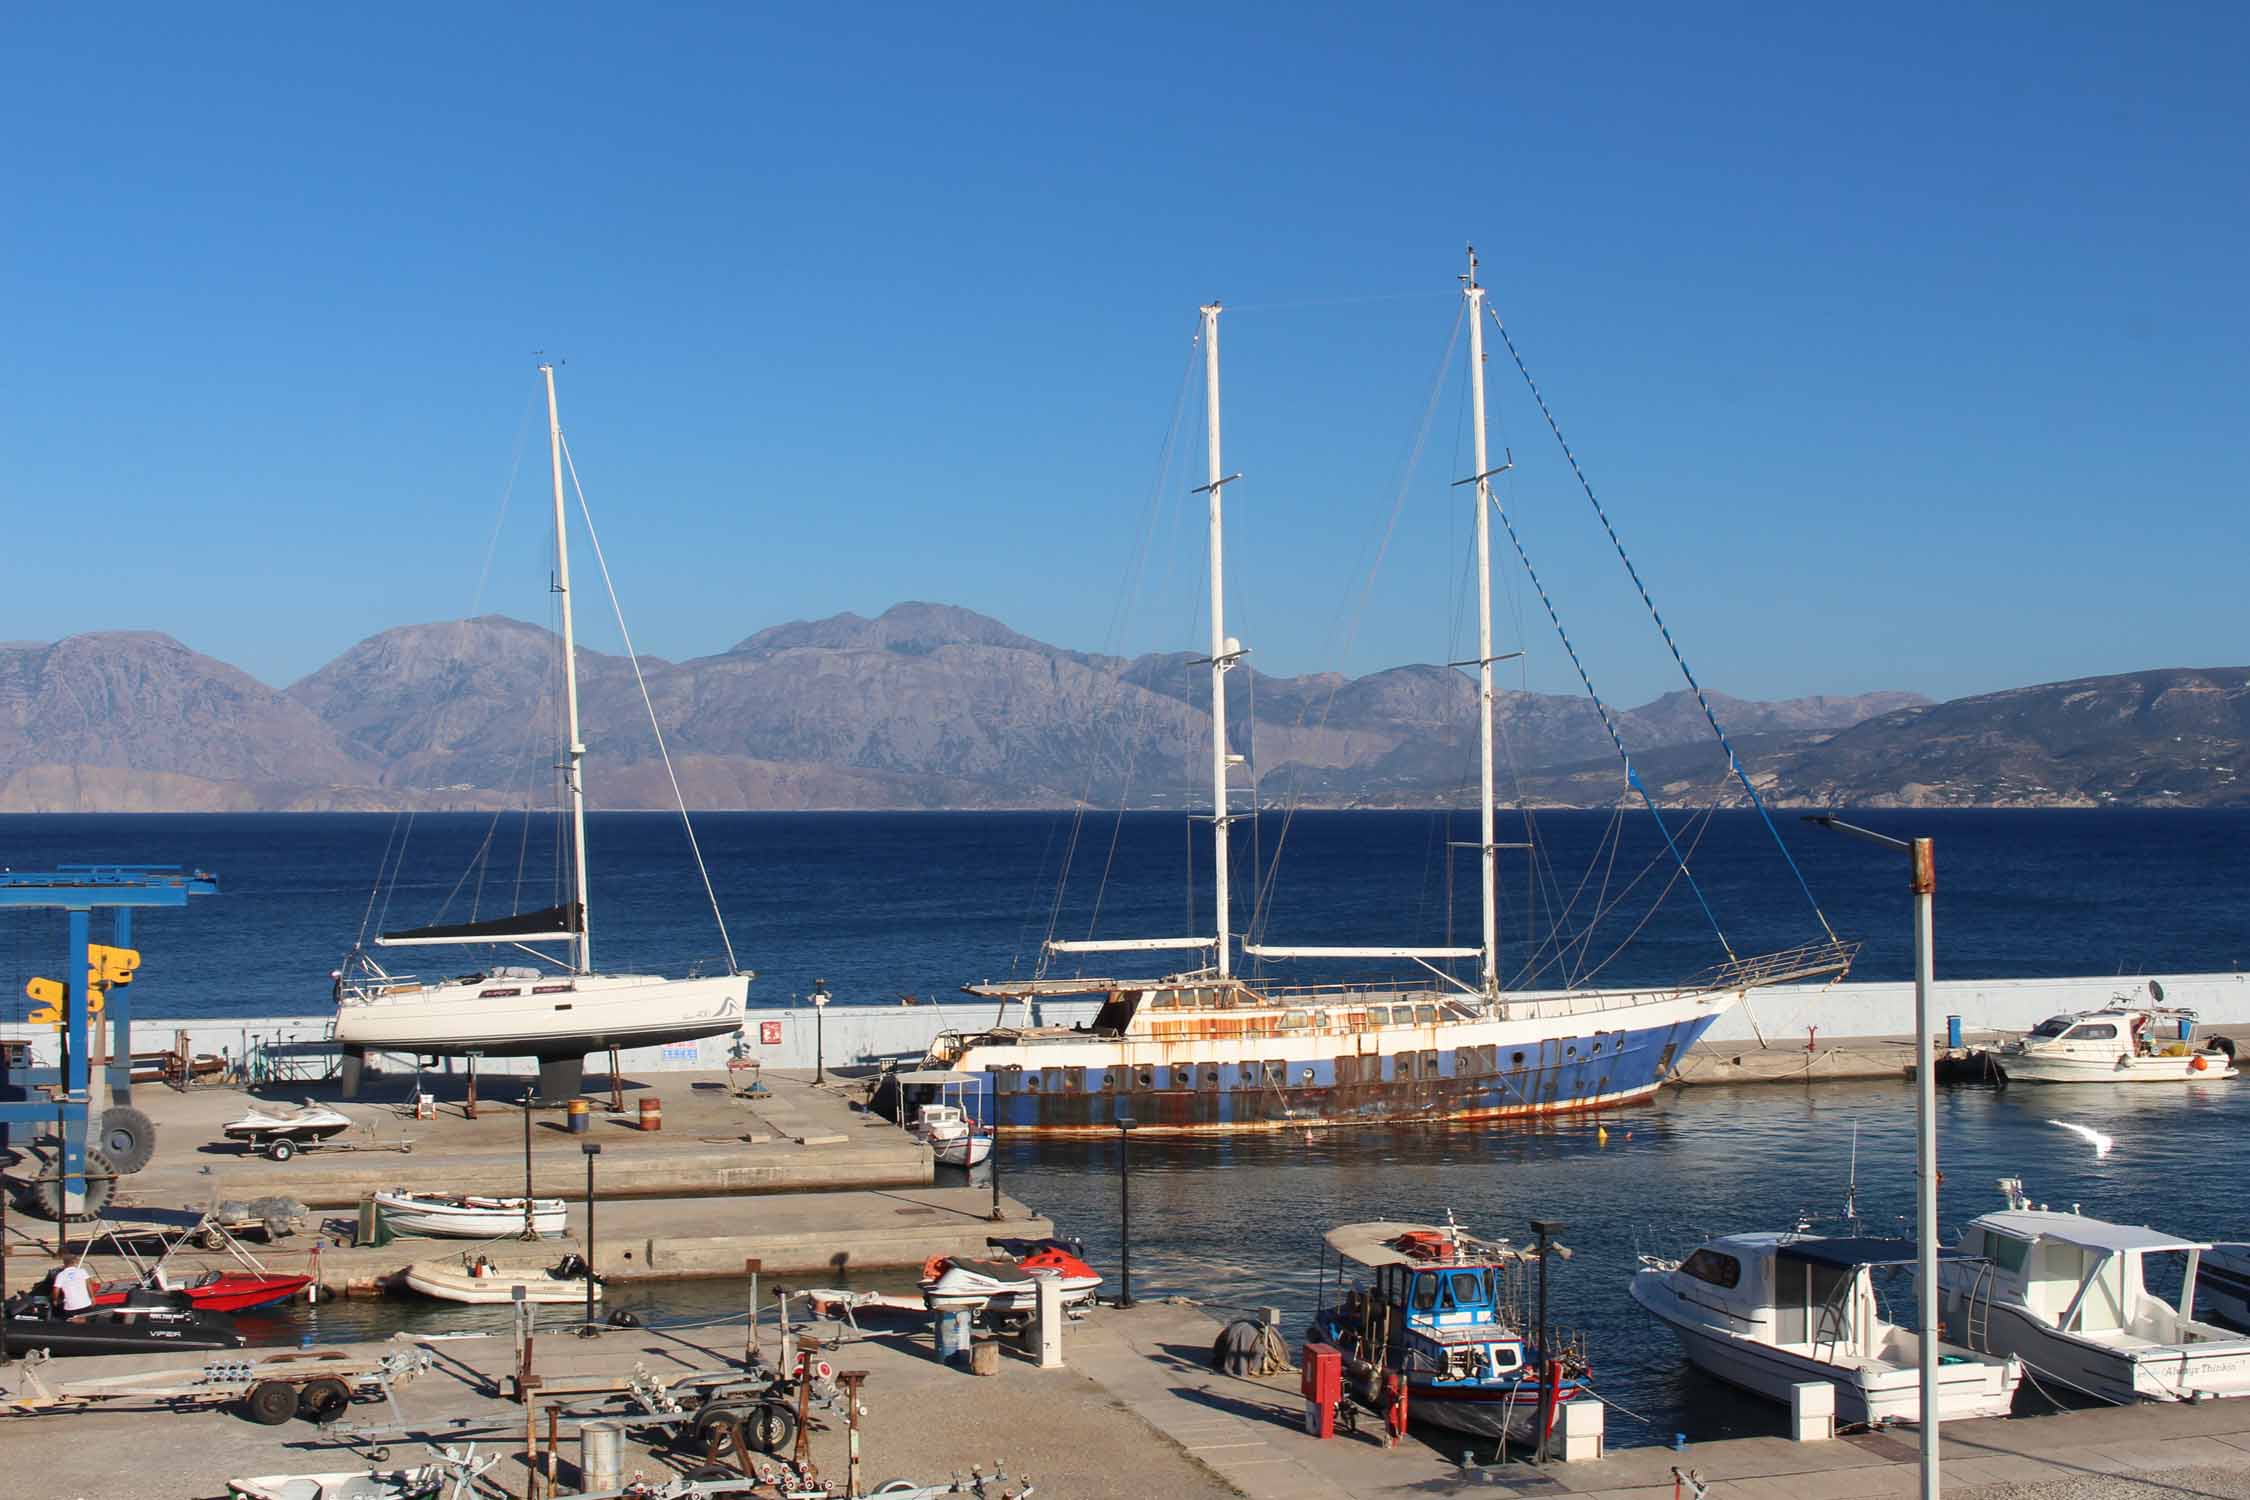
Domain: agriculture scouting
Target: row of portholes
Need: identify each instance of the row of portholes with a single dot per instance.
(1184, 1077)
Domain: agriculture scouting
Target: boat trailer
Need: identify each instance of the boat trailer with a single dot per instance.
(318, 1384)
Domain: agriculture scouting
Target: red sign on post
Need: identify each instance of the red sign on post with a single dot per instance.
(769, 1033)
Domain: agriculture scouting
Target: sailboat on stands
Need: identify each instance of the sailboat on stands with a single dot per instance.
(1205, 1052)
(557, 1013)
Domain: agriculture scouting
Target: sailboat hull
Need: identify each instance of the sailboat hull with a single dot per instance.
(1485, 1069)
(555, 1016)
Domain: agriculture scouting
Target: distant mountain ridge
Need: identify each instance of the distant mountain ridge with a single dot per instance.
(929, 705)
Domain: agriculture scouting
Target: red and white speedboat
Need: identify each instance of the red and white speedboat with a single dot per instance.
(952, 1283)
(212, 1291)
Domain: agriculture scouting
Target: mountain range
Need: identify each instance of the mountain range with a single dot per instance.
(931, 706)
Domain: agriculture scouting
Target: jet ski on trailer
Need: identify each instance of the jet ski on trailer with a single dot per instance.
(281, 1132)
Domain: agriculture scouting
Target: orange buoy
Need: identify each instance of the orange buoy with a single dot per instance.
(2198, 1062)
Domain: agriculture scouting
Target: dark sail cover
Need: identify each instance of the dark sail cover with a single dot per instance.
(547, 926)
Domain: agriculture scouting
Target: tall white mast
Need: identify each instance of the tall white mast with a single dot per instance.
(1223, 651)
(1487, 852)
(574, 749)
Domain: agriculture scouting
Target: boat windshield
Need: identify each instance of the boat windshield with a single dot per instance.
(2053, 1026)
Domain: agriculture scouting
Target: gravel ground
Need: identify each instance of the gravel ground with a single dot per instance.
(2218, 1483)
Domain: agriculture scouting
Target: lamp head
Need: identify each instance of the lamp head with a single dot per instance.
(591, 1148)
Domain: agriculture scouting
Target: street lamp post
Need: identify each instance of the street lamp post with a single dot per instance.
(1922, 859)
(592, 1150)
(820, 1040)
(529, 1232)
(1125, 1124)
(1546, 1229)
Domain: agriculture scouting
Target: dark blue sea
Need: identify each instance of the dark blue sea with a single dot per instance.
(885, 904)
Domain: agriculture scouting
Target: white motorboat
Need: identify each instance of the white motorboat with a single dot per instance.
(479, 1279)
(555, 1015)
(953, 1138)
(2066, 1294)
(451, 1216)
(281, 1131)
(1769, 1311)
(2226, 1282)
(2126, 1041)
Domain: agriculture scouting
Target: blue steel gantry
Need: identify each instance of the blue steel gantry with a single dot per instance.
(87, 970)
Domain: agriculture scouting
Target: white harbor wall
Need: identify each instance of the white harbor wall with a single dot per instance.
(849, 1035)
(1786, 1014)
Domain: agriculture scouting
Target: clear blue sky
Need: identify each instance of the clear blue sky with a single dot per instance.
(1907, 347)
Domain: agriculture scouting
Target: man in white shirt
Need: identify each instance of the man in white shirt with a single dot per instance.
(74, 1286)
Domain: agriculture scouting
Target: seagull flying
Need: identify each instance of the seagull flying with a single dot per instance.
(2092, 1137)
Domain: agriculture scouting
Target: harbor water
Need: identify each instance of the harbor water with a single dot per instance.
(882, 905)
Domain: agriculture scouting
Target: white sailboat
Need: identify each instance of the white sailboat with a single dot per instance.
(1204, 1052)
(556, 1014)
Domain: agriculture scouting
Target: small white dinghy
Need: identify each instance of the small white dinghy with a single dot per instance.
(461, 1217)
(953, 1138)
(451, 1473)
(479, 1279)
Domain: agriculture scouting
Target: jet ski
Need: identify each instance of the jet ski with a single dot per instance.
(35, 1322)
(281, 1132)
(951, 1283)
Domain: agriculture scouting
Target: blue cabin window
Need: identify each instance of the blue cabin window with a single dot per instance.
(1425, 1291)
(1466, 1288)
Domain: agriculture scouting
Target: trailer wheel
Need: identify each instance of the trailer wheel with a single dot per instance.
(770, 1427)
(128, 1137)
(710, 1425)
(322, 1401)
(270, 1403)
(281, 1150)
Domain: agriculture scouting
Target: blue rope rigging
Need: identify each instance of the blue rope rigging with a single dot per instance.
(1734, 763)
(1632, 776)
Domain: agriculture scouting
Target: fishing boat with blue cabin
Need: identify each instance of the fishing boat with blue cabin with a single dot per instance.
(1448, 1314)
(1208, 1051)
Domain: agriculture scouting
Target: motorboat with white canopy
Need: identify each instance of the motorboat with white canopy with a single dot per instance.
(930, 1107)
(2127, 1041)
(1770, 1311)
(2067, 1294)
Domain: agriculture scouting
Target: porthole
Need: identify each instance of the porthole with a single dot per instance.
(1571, 1050)
(1145, 1078)
(1597, 1049)
(1519, 1060)
(1308, 1075)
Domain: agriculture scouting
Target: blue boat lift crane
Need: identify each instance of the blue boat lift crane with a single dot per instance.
(94, 989)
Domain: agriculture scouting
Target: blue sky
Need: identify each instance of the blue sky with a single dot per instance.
(1908, 349)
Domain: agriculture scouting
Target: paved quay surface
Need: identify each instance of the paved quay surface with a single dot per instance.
(787, 1177)
(1807, 1058)
(1152, 1358)
(925, 1422)
(1137, 1414)
(794, 1136)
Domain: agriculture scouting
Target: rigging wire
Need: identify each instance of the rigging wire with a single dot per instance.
(1261, 909)
(1734, 764)
(1130, 735)
(679, 800)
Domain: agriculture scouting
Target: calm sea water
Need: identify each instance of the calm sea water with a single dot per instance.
(883, 904)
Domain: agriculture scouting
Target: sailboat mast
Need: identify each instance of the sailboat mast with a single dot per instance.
(1221, 659)
(1487, 851)
(574, 749)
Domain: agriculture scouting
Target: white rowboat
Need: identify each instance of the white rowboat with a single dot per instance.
(449, 1216)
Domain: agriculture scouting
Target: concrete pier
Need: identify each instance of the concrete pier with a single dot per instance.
(1810, 1059)
(796, 1177)
(1136, 1411)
